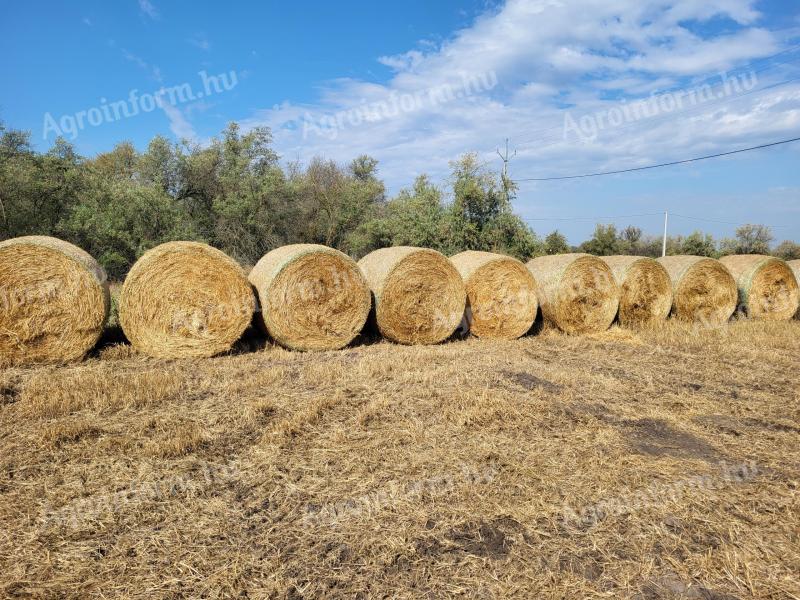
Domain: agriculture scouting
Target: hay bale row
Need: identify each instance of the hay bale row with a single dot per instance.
(312, 297)
(501, 294)
(577, 292)
(645, 289)
(768, 290)
(703, 290)
(419, 295)
(54, 301)
(185, 299)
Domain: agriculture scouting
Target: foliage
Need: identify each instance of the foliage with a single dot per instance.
(555, 243)
(787, 250)
(750, 239)
(234, 194)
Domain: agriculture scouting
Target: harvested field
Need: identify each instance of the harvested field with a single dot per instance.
(657, 464)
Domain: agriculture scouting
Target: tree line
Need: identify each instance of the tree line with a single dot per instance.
(234, 194)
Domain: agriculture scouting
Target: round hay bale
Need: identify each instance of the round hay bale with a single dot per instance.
(645, 289)
(577, 292)
(768, 289)
(703, 290)
(54, 301)
(794, 265)
(419, 294)
(185, 299)
(312, 297)
(501, 294)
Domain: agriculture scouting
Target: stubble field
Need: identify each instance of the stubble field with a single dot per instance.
(652, 464)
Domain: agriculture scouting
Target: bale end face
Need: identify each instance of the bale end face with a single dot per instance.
(645, 290)
(54, 301)
(501, 294)
(312, 297)
(768, 289)
(577, 292)
(185, 299)
(704, 291)
(419, 294)
(794, 265)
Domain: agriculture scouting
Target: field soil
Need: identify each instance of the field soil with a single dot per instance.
(662, 463)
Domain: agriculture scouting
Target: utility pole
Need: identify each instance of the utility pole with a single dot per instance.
(505, 158)
(664, 244)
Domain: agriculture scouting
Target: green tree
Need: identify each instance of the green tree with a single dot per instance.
(555, 243)
(787, 250)
(604, 242)
(750, 239)
(699, 244)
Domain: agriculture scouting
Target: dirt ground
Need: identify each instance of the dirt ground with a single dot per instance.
(656, 464)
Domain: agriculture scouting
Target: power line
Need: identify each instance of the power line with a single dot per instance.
(666, 164)
(658, 214)
(721, 222)
(591, 218)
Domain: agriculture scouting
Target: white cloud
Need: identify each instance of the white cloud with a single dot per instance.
(200, 41)
(178, 123)
(550, 57)
(148, 9)
(153, 70)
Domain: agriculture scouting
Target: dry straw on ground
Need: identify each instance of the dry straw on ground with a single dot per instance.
(547, 467)
(795, 266)
(703, 289)
(419, 294)
(767, 287)
(577, 292)
(185, 299)
(312, 297)
(501, 294)
(53, 301)
(645, 289)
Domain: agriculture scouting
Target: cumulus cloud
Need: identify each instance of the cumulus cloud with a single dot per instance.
(520, 71)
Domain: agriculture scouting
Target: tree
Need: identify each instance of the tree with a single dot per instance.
(750, 239)
(604, 242)
(787, 250)
(555, 243)
(698, 244)
(117, 222)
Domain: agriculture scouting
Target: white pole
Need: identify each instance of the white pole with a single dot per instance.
(664, 244)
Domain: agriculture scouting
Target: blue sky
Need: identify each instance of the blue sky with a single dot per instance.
(416, 84)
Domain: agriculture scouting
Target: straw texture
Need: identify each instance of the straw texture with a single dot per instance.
(703, 290)
(312, 297)
(501, 294)
(577, 292)
(185, 299)
(645, 289)
(794, 265)
(767, 287)
(419, 295)
(54, 301)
